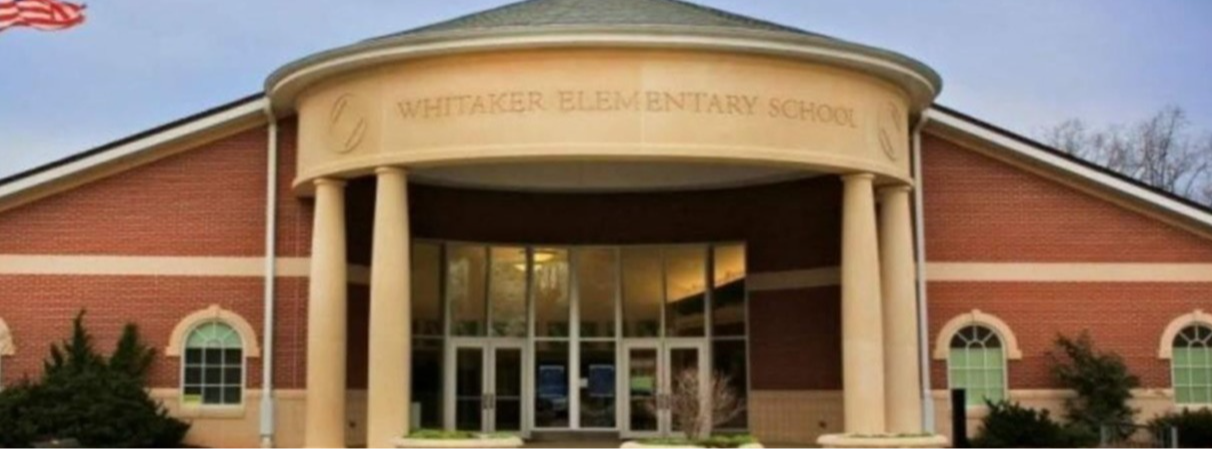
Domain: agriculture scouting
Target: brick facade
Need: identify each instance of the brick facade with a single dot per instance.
(982, 210)
(204, 202)
(209, 201)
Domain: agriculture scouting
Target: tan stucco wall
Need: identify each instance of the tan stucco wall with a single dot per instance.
(240, 426)
(794, 416)
(592, 104)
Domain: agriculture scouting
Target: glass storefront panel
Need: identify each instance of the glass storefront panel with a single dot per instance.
(597, 385)
(426, 292)
(552, 293)
(729, 359)
(469, 389)
(728, 291)
(566, 306)
(427, 380)
(642, 389)
(642, 291)
(597, 288)
(685, 291)
(551, 402)
(466, 273)
(507, 403)
(507, 291)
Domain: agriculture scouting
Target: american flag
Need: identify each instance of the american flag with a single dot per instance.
(40, 14)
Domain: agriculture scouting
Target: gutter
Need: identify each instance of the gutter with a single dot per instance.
(267, 328)
(919, 238)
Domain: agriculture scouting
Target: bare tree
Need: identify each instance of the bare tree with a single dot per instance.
(1161, 151)
(696, 407)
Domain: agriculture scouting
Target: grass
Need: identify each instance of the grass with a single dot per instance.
(716, 441)
(437, 434)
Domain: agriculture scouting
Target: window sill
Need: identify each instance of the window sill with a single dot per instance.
(212, 411)
(1179, 408)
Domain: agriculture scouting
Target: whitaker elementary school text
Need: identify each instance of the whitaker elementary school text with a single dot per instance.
(567, 101)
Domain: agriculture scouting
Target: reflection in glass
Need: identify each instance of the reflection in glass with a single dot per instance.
(469, 389)
(597, 287)
(642, 292)
(683, 362)
(551, 403)
(642, 388)
(729, 360)
(465, 273)
(685, 289)
(597, 385)
(426, 279)
(551, 292)
(728, 291)
(507, 404)
(427, 380)
(507, 291)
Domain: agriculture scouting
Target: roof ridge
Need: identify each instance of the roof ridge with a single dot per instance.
(563, 12)
(733, 15)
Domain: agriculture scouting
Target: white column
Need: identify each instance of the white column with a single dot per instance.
(862, 333)
(902, 378)
(326, 328)
(390, 313)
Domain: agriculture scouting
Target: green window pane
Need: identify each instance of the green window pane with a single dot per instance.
(1201, 357)
(1182, 376)
(1200, 376)
(995, 378)
(1201, 395)
(995, 394)
(213, 335)
(959, 379)
(959, 357)
(1182, 395)
(1182, 356)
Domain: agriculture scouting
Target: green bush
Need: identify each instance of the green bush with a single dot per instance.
(1012, 425)
(1103, 385)
(1194, 427)
(715, 441)
(85, 397)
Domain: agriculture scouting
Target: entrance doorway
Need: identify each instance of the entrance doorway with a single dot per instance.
(488, 385)
(651, 372)
(545, 339)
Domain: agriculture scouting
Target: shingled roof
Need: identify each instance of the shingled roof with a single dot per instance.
(601, 13)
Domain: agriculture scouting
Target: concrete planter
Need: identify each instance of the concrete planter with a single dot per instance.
(482, 442)
(639, 445)
(883, 441)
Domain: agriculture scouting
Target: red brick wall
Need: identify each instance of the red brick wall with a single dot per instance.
(1127, 318)
(796, 339)
(204, 202)
(982, 210)
(208, 201)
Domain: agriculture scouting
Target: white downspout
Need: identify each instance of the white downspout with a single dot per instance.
(923, 335)
(271, 232)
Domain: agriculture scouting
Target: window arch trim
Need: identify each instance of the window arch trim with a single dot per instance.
(180, 335)
(942, 345)
(1165, 350)
(7, 347)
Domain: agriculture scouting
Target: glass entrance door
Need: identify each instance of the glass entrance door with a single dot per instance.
(654, 372)
(486, 387)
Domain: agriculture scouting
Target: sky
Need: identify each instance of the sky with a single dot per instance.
(1020, 64)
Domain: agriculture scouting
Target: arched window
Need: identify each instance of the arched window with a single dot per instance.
(6, 348)
(213, 365)
(977, 363)
(1191, 364)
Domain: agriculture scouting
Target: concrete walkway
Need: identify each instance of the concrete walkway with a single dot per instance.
(609, 444)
